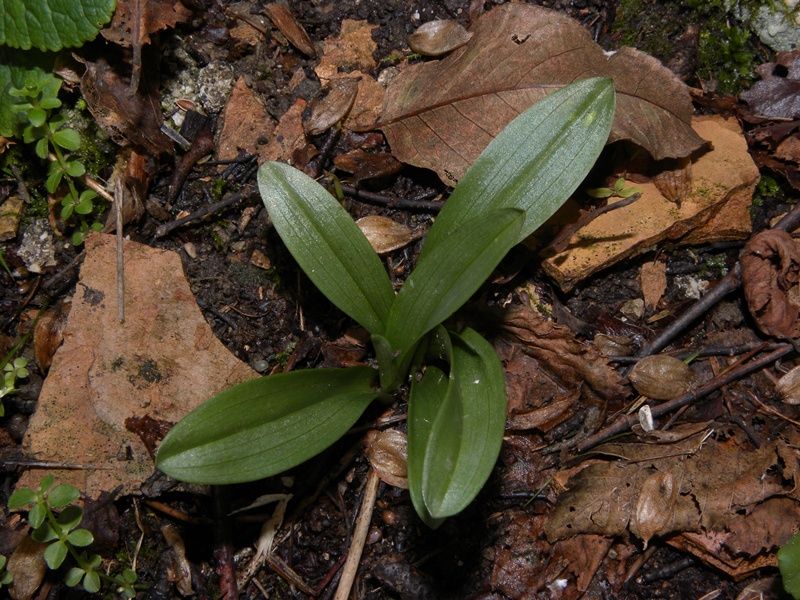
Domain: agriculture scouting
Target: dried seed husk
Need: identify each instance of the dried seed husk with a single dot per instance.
(788, 386)
(613, 345)
(287, 24)
(674, 180)
(388, 454)
(384, 234)
(662, 377)
(334, 107)
(435, 38)
(655, 506)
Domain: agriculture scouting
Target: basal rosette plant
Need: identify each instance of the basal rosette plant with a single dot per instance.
(457, 400)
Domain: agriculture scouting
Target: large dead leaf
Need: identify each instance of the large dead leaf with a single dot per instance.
(441, 115)
(777, 95)
(710, 489)
(717, 209)
(245, 124)
(163, 361)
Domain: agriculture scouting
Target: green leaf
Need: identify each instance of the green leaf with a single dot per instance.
(63, 494)
(44, 533)
(91, 582)
(74, 576)
(327, 244)
(70, 518)
(54, 178)
(37, 117)
(446, 277)
(75, 168)
(80, 538)
(535, 163)
(52, 24)
(455, 428)
(69, 139)
(37, 514)
(55, 554)
(42, 148)
(17, 69)
(22, 497)
(262, 427)
(789, 565)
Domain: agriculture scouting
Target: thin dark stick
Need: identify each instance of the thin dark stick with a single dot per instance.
(206, 210)
(120, 254)
(394, 202)
(624, 422)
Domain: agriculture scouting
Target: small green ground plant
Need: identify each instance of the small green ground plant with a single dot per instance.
(12, 371)
(457, 400)
(63, 536)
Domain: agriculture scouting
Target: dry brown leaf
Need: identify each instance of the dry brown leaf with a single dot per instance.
(288, 135)
(718, 209)
(366, 166)
(789, 149)
(334, 106)
(10, 214)
(777, 95)
(653, 278)
(387, 452)
(439, 37)
(441, 115)
(135, 20)
(246, 124)
(163, 361)
(770, 274)
(351, 51)
(384, 234)
(654, 506)
(558, 351)
(48, 334)
(674, 179)
(287, 24)
(545, 417)
(129, 118)
(720, 483)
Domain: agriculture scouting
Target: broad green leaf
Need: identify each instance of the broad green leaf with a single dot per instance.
(22, 497)
(63, 494)
(263, 427)
(74, 576)
(37, 514)
(535, 163)
(447, 276)
(327, 244)
(55, 554)
(80, 538)
(70, 518)
(91, 582)
(52, 24)
(789, 565)
(44, 533)
(455, 428)
(69, 139)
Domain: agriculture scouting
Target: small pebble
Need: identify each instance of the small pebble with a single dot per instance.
(190, 249)
(374, 535)
(389, 517)
(261, 365)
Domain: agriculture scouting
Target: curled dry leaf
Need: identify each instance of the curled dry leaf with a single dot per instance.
(440, 115)
(662, 377)
(777, 95)
(134, 22)
(364, 165)
(334, 107)
(439, 37)
(388, 454)
(613, 345)
(287, 24)
(770, 273)
(654, 506)
(788, 386)
(384, 234)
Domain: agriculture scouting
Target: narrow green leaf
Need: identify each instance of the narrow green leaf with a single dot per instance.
(447, 276)
(55, 554)
(455, 428)
(427, 395)
(63, 494)
(265, 426)
(535, 163)
(327, 244)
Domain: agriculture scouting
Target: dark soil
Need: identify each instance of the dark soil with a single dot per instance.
(272, 317)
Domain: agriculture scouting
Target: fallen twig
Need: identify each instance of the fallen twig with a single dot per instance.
(206, 210)
(418, 203)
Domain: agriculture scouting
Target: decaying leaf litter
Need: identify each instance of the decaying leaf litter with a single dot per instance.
(710, 484)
